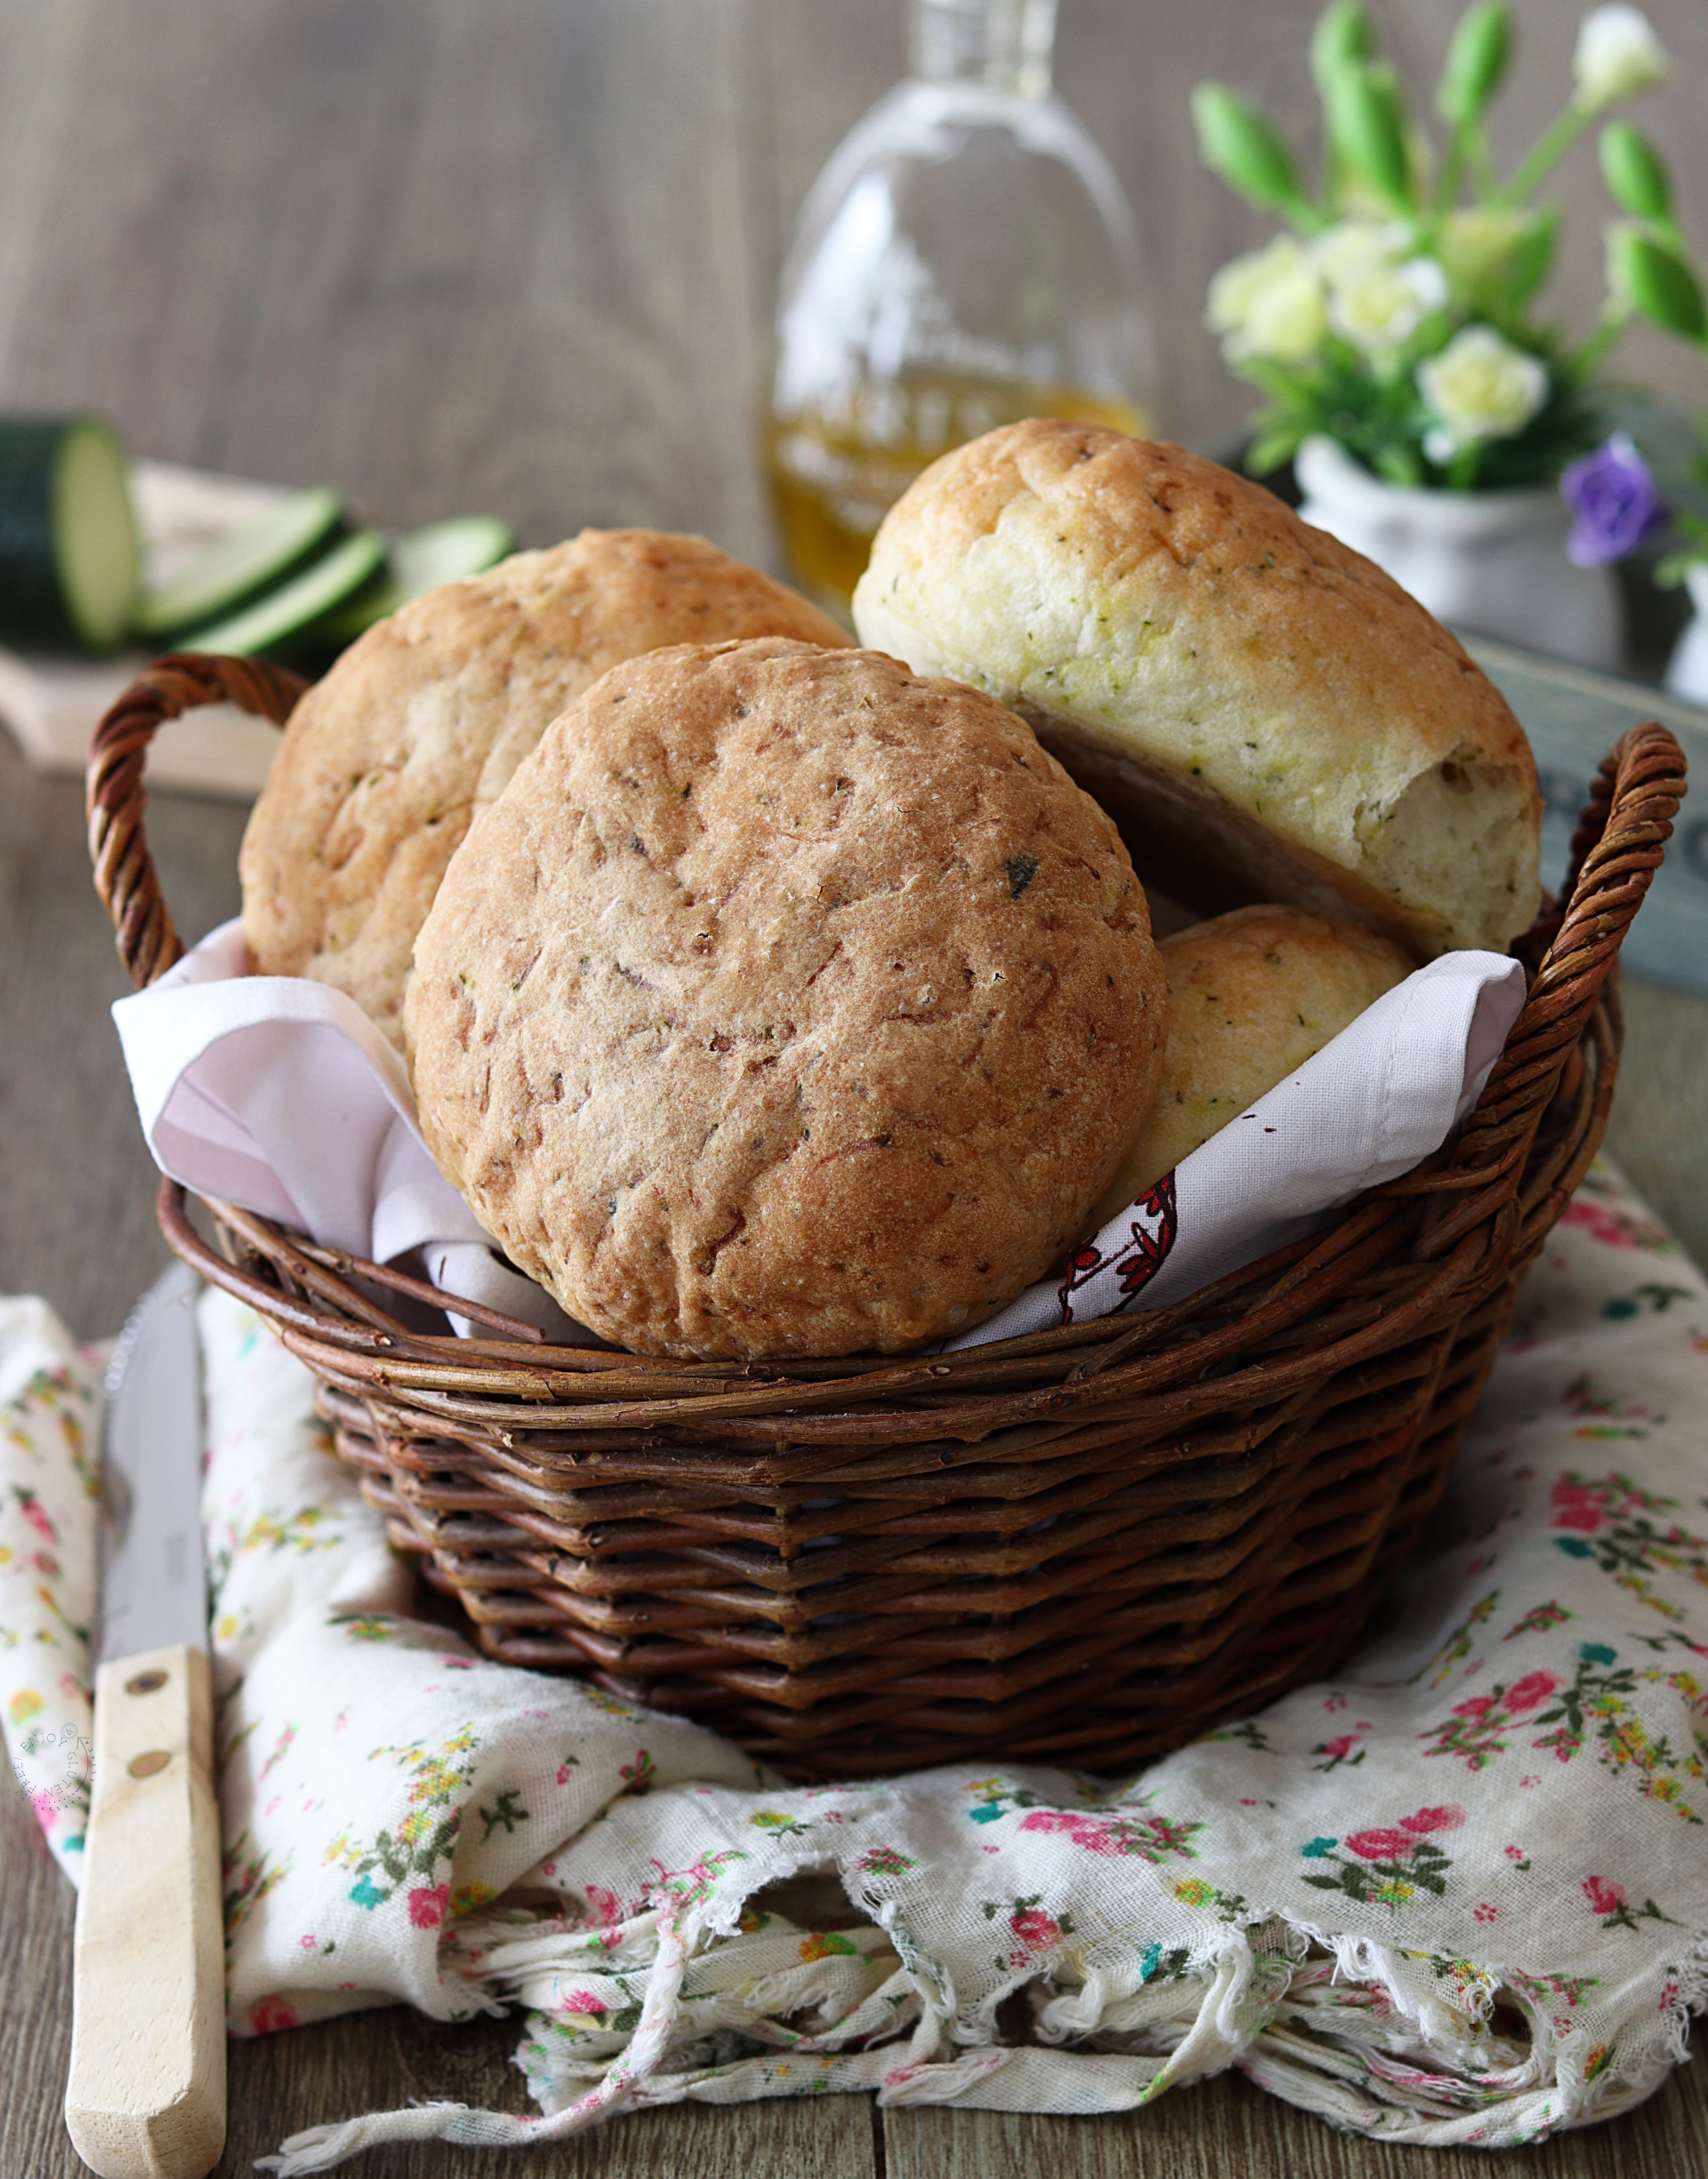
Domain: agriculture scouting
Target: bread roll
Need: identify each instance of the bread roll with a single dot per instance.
(423, 720)
(784, 1003)
(1251, 995)
(1266, 716)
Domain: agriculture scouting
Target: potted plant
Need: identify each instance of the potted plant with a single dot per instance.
(1390, 328)
(1653, 478)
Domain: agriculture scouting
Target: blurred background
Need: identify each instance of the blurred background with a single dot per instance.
(523, 256)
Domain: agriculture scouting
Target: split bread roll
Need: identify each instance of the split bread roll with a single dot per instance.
(784, 1003)
(1252, 997)
(1266, 714)
(422, 722)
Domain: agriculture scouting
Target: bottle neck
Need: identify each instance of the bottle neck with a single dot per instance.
(1001, 45)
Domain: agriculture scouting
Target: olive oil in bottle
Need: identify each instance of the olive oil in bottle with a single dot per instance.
(965, 258)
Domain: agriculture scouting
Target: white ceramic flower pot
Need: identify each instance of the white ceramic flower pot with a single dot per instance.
(1491, 561)
(1686, 671)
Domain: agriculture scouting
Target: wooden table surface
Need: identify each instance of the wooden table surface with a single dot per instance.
(519, 257)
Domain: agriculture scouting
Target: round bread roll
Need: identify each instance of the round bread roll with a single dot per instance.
(1266, 714)
(423, 722)
(784, 1003)
(1251, 995)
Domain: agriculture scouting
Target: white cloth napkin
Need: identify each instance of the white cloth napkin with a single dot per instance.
(279, 1096)
(1457, 1893)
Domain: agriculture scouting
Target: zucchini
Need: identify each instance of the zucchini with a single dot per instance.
(69, 547)
(239, 569)
(288, 618)
(445, 552)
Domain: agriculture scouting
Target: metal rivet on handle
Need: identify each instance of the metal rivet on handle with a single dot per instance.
(145, 1683)
(145, 1766)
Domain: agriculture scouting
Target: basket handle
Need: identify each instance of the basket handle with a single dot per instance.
(125, 874)
(1615, 851)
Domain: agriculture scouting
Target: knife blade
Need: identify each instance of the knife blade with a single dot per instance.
(145, 2097)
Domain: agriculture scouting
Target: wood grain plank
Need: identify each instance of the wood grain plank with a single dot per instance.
(1226, 2125)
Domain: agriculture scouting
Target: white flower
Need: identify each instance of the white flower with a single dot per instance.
(1268, 304)
(1618, 57)
(1351, 246)
(1381, 305)
(1480, 242)
(1480, 386)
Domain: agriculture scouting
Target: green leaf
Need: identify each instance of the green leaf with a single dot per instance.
(1635, 172)
(1343, 34)
(1658, 283)
(1366, 126)
(1477, 57)
(1236, 141)
(1533, 260)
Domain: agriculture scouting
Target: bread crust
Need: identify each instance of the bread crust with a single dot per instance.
(423, 720)
(1252, 997)
(784, 1003)
(1262, 708)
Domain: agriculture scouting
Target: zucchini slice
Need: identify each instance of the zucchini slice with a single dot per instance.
(289, 614)
(447, 551)
(69, 547)
(233, 574)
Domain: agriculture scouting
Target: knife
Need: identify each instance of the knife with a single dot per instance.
(146, 2095)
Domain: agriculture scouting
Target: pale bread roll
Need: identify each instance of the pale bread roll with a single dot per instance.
(1251, 995)
(422, 722)
(784, 1003)
(1265, 713)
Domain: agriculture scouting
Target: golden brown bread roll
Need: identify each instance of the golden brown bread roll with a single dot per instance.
(1251, 995)
(784, 1003)
(423, 722)
(1266, 714)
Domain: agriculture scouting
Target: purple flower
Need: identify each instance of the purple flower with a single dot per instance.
(1613, 498)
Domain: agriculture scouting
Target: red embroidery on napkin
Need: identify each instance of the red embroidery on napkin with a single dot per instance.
(1136, 1263)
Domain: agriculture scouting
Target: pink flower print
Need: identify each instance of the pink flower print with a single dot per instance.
(1513, 1853)
(1534, 1688)
(1605, 1896)
(582, 2001)
(1578, 1506)
(1035, 1929)
(1474, 1706)
(1530, 1781)
(30, 1507)
(1339, 1748)
(1427, 1820)
(1485, 1913)
(1381, 1846)
(268, 2015)
(427, 1906)
(1600, 1224)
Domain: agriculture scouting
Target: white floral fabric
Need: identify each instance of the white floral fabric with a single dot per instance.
(1458, 1893)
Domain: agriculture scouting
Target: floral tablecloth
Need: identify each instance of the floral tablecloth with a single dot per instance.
(1459, 1893)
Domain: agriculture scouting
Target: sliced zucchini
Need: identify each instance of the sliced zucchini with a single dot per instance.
(69, 547)
(233, 574)
(289, 615)
(447, 551)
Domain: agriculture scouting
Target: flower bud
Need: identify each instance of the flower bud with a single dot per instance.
(1237, 142)
(1656, 281)
(1477, 59)
(1635, 172)
(1368, 131)
(1342, 36)
(1618, 56)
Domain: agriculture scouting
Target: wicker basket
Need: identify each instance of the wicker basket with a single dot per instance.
(1084, 1546)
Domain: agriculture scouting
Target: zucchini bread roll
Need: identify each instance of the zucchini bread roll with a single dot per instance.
(1252, 997)
(422, 722)
(1266, 714)
(785, 1004)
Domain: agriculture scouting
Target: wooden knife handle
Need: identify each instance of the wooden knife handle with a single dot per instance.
(146, 2095)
